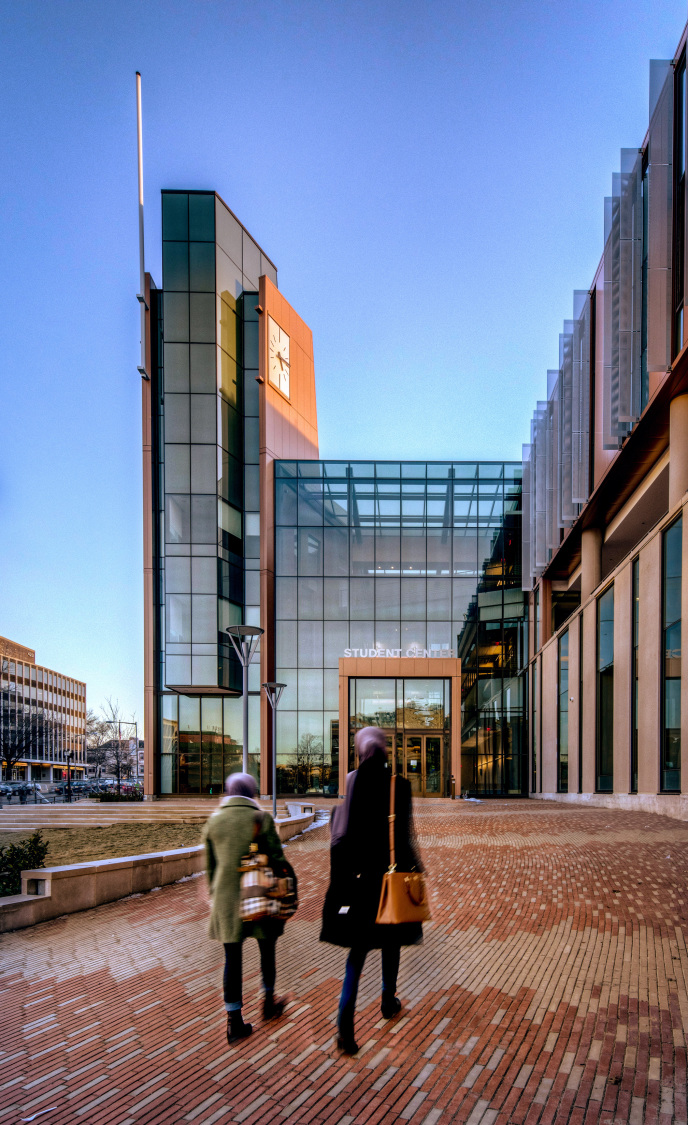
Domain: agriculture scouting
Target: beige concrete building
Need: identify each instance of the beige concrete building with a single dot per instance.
(605, 486)
(42, 718)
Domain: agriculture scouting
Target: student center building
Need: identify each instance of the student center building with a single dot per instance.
(515, 628)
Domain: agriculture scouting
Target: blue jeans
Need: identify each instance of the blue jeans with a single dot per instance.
(352, 975)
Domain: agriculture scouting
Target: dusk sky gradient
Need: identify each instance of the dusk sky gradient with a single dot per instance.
(428, 178)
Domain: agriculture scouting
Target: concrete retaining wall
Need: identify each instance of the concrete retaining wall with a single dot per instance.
(50, 892)
(674, 805)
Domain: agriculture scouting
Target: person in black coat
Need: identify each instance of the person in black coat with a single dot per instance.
(359, 857)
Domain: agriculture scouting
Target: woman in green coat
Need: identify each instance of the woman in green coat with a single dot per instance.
(228, 835)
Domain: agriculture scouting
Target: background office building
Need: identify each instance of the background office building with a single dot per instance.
(42, 718)
(605, 480)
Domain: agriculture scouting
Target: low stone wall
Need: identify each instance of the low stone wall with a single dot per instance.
(674, 805)
(50, 892)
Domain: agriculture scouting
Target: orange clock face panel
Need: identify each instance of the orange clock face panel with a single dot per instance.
(278, 357)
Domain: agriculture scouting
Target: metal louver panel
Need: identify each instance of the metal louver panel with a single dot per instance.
(566, 510)
(580, 441)
(660, 216)
(526, 556)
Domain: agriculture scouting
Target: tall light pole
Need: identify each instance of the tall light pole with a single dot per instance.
(274, 694)
(245, 640)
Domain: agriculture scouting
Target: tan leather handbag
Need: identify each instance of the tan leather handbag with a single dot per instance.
(403, 897)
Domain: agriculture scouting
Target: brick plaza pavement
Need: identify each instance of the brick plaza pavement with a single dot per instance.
(551, 987)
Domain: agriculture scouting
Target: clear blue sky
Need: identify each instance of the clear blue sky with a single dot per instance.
(428, 178)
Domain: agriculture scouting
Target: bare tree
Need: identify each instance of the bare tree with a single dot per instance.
(119, 752)
(309, 759)
(97, 735)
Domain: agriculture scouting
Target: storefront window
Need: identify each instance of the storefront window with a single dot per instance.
(634, 675)
(605, 692)
(671, 663)
(563, 716)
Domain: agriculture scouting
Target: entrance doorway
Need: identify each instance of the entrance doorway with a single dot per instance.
(422, 764)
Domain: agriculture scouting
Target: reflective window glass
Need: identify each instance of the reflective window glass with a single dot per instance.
(285, 643)
(310, 598)
(336, 640)
(362, 598)
(285, 502)
(177, 418)
(310, 503)
(336, 599)
(189, 713)
(176, 317)
(285, 598)
(310, 551)
(413, 545)
(362, 551)
(175, 215)
(228, 326)
(177, 476)
(202, 317)
(203, 468)
(204, 519)
(387, 551)
(310, 652)
(285, 550)
(202, 216)
(204, 575)
(335, 502)
(439, 599)
(175, 266)
(439, 548)
(387, 599)
(204, 418)
(177, 519)
(310, 689)
(176, 367)
(203, 376)
(202, 267)
(178, 618)
(413, 598)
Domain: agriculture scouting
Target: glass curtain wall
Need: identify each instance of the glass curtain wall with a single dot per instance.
(563, 716)
(670, 780)
(207, 443)
(399, 559)
(605, 692)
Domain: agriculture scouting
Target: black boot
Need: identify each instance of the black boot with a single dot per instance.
(272, 1008)
(236, 1028)
(390, 1006)
(345, 1037)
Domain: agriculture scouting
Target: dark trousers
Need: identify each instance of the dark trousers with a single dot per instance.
(232, 975)
(352, 975)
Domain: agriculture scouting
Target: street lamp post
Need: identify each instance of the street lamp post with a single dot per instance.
(69, 776)
(274, 694)
(245, 641)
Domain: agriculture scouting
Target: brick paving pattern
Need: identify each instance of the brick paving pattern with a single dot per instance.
(551, 987)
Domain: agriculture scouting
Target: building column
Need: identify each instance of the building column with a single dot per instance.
(591, 561)
(678, 449)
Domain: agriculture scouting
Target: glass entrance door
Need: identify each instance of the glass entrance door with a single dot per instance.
(423, 764)
(413, 759)
(433, 766)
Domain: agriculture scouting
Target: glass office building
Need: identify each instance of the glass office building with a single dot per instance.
(392, 561)
(206, 495)
(388, 592)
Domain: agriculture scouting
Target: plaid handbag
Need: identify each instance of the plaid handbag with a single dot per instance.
(262, 893)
